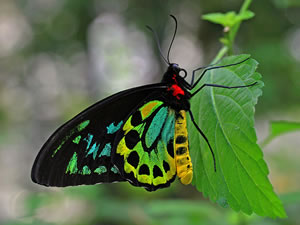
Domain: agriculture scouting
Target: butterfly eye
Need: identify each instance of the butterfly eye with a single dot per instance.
(183, 73)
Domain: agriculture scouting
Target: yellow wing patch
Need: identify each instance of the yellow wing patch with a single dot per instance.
(151, 164)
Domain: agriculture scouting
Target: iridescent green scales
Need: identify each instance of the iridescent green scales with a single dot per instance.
(78, 128)
(73, 169)
(147, 145)
(100, 170)
(92, 148)
(72, 166)
(114, 128)
(77, 139)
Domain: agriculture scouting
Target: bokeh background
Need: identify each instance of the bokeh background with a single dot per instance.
(59, 56)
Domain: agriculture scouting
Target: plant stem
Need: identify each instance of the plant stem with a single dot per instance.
(235, 29)
(231, 35)
(266, 141)
(245, 6)
(220, 54)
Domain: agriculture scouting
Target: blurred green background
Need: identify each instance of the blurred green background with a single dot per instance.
(59, 56)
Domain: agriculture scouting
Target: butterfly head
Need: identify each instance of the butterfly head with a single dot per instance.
(174, 73)
(174, 67)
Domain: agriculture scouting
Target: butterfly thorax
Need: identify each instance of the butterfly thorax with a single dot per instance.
(177, 94)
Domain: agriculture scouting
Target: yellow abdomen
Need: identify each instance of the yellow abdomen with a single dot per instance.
(181, 147)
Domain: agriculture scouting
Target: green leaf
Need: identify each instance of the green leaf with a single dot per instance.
(283, 127)
(246, 15)
(278, 128)
(228, 19)
(226, 116)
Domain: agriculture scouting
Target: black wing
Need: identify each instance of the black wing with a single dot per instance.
(79, 151)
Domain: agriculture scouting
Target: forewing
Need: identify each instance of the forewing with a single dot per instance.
(144, 151)
(79, 152)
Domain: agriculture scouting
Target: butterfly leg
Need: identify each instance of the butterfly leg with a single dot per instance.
(205, 138)
(211, 68)
(200, 68)
(194, 72)
(221, 86)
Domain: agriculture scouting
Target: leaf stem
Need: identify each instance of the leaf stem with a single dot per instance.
(265, 142)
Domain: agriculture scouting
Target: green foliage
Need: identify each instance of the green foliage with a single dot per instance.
(228, 19)
(231, 22)
(227, 119)
(189, 212)
(278, 128)
(282, 127)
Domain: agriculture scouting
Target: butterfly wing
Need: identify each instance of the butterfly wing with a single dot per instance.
(144, 151)
(79, 152)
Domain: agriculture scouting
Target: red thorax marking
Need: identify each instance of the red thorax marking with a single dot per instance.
(174, 78)
(176, 89)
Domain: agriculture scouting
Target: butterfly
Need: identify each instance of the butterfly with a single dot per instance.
(138, 135)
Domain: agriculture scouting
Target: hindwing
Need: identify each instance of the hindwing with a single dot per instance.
(79, 152)
(144, 151)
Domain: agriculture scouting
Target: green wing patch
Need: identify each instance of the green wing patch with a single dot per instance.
(145, 151)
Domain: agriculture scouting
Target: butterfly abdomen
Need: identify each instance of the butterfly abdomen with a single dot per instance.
(181, 147)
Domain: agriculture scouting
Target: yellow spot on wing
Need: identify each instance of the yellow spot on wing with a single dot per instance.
(127, 126)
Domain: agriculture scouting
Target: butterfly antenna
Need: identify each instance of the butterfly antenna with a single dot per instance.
(168, 56)
(157, 43)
